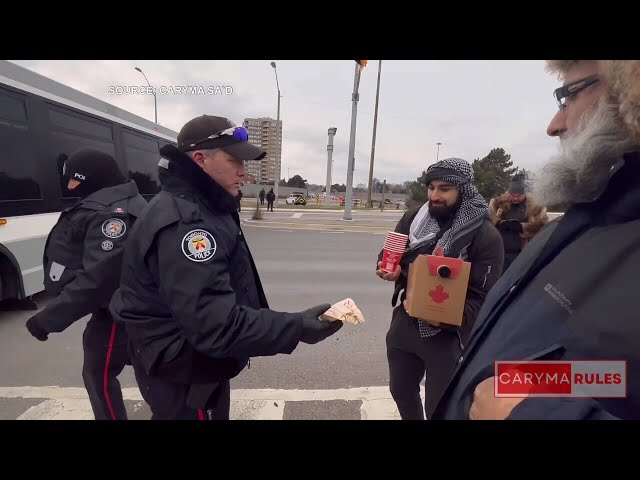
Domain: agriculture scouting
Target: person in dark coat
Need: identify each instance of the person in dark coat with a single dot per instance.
(82, 260)
(572, 294)
(518, 217)
(239, 200)
(190, 293)
(455, 219)
(262, 195)
(271, 197)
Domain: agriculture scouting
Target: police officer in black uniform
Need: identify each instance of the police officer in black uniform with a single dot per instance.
(82, 260)
(190, 294)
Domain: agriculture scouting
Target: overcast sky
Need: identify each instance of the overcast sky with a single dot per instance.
(469, 106)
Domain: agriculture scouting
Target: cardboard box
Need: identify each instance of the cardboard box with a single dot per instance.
(437, 288)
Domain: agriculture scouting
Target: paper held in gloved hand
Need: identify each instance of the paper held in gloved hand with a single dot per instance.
(346, 311)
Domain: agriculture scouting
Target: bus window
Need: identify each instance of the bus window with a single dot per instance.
(71, 132)
(17, 167)
(141, 156)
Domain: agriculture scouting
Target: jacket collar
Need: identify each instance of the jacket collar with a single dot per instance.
(109, 195)
(179, 174)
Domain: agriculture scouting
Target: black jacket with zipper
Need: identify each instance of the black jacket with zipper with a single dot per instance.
(83, 254)
(485, 252)
(570, 295)
(190, 295)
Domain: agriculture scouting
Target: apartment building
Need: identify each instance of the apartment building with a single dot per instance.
(265, 133)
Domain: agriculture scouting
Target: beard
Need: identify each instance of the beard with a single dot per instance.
(581, 170)
(442, 211)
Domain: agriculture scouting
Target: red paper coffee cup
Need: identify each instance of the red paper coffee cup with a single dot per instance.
(390, 260)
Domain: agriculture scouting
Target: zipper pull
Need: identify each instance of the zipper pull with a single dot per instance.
(486, 275)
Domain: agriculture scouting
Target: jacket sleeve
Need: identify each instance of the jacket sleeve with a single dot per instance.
(486, 269)
(93, 286)
(201, 299)
(560, 409)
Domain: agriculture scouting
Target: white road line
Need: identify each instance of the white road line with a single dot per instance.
(31, 270)
(71, 403)
(296, 215)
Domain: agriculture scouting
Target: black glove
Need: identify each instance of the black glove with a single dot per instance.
(36, 330)
(315, 330)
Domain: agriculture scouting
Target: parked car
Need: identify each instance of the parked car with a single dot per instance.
(296, 199)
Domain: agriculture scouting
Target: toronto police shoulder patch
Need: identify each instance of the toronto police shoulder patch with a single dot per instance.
(114, 228)
(198, 245)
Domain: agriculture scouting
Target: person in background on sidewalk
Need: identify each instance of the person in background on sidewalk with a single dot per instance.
(271, 197)
(518, 218)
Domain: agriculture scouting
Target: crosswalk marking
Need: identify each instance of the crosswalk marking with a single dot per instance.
(72, 403)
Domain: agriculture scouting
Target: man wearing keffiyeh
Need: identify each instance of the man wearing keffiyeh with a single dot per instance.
(455, 218)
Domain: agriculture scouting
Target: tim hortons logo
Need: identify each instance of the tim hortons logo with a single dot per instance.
(438, 295)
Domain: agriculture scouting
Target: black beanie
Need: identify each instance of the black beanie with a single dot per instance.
(517, 185)
(94, 169)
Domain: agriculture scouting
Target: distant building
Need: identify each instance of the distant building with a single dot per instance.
(265, 133)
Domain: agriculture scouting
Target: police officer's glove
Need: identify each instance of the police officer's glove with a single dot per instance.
(315, 330)
(36, 330)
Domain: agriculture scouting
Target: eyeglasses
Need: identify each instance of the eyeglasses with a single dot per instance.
(239, 133)
(560, 94)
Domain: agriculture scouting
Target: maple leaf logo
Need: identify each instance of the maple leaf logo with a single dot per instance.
(438, 295)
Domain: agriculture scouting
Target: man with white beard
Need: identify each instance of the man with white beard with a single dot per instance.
(572, 294)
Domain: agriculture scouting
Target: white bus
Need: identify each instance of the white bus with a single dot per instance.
(41, 123)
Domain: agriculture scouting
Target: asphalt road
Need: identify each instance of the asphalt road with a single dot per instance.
(299, 268)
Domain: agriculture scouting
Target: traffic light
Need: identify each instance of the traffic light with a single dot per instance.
(362, 63)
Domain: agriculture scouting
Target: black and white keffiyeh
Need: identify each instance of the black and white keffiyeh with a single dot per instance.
(469, 216)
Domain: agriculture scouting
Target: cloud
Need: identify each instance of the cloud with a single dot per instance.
(469, 106)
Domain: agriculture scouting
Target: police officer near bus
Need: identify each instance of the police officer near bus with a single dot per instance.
(82, 261)
(190, 293)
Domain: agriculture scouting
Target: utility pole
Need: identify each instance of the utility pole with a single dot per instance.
(360, 64)
(278, 138)
(373, 141)
(327, 197)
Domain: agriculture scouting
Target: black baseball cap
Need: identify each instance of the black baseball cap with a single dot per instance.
(208, 131)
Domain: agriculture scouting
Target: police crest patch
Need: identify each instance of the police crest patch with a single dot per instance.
(198, 245)
(114, 228)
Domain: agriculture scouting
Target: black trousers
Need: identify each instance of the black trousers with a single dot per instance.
(168, 400)
(166, 388)
(105, 356)
(269, 206)
(410, 356)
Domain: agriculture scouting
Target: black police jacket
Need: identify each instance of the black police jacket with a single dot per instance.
(189, 282)
(83, 254)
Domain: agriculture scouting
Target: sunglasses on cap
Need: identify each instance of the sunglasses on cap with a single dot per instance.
(560, 94)
(239, 133)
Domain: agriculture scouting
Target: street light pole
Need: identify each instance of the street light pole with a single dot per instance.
(279, 138)
(373, 142)
(327, 197)
(352, 144)
(155, 100)
(438, 152)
